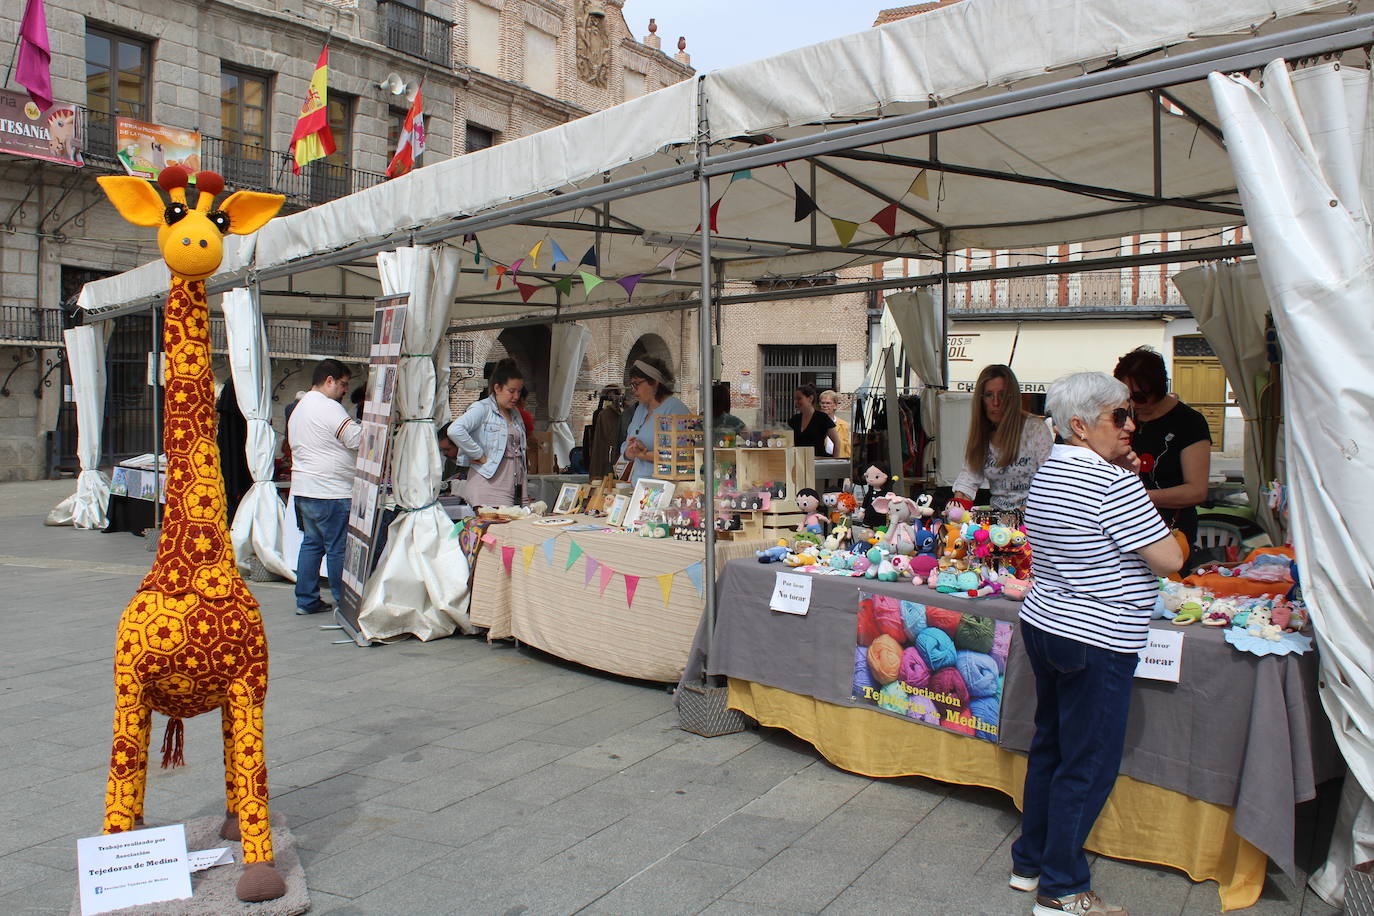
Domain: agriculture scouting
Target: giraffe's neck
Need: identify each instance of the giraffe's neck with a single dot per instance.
(194, 531)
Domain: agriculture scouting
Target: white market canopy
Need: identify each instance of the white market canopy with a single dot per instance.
(988, 123)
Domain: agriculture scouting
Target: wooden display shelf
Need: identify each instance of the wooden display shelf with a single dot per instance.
(677, 439)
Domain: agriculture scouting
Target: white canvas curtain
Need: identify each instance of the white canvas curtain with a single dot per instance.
(88, 506)
(1229, 303)
(420, 585)
(919, 321)
(566, 349)
(1301, 151)
(259, 525)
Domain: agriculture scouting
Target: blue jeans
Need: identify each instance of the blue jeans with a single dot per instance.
(324, 523)
(1083, 696)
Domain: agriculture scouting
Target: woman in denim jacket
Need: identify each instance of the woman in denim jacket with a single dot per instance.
(489, 439)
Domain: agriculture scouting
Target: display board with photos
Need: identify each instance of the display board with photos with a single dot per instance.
(370, 478)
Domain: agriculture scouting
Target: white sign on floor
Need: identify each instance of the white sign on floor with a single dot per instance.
(1162, 656)
(118, 870)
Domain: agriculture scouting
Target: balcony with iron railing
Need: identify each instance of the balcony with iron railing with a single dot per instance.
(244, 166)
(24, 325)
(415, 32)
(296, 340)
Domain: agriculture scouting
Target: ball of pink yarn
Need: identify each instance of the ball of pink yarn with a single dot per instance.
(946, 620)
(951, 693)
(888, 617)
(914, 670)
(885, 659)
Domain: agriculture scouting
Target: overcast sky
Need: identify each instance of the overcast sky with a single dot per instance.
(725, 32)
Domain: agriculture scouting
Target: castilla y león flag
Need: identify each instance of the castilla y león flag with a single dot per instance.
(412, 142)
(312, 140)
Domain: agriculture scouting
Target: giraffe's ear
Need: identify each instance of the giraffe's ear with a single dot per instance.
(134, 198)
(249, 211)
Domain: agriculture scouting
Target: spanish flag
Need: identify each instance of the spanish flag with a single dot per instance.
(312, 140)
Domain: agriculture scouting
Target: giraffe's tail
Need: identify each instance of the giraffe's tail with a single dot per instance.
(173, 740)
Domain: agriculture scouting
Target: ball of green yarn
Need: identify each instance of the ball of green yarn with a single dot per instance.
(975, 634)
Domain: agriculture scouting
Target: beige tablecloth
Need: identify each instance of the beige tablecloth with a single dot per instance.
(558, 608)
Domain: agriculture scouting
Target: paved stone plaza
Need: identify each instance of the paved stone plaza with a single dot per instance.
(458, 777)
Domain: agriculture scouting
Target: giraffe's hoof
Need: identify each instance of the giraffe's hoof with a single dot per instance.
(230, 830)
(260, 881)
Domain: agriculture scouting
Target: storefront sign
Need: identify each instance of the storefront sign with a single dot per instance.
(958, 347)
(1162, 658)
(939, 667)
(146, 149)
(791, 593)
(1026, 387)
(26, 131)
(118, 870)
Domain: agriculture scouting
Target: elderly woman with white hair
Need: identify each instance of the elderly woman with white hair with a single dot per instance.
(1099, 544)
(651, 383)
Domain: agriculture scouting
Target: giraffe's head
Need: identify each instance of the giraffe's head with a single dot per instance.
(191, 239)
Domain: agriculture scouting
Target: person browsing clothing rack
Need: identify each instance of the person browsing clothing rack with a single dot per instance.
(1006, 443)
(651, 383)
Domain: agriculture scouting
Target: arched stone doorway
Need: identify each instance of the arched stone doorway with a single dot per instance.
(529, 347)
(649, 345)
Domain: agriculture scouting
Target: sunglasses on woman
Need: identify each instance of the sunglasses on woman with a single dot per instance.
(1120, 415)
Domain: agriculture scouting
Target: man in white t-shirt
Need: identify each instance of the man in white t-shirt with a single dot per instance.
(324, 444)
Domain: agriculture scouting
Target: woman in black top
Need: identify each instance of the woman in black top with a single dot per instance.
(810, 427)
(1172, 439)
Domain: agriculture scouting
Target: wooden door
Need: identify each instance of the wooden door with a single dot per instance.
(1201, 383)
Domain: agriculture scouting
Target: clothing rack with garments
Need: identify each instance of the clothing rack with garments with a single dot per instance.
(870, 431)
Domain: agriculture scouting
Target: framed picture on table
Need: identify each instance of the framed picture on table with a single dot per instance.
(568, 499)
(649, 495)
(615, 514)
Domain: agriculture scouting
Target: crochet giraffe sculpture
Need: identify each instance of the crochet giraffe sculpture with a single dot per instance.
(192, 641)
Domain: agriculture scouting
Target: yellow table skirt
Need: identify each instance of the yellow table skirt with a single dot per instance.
(1140, 822)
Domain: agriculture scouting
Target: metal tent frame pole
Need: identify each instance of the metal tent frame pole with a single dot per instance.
(705, 353)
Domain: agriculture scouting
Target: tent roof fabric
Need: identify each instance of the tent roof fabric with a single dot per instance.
(1089, 171)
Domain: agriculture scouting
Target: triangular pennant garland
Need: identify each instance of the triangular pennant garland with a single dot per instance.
(589, 282)
(629, 283)
(564, 285)
(534, 252)
(741, 175)
(670, 261)
(805, 206)
(574, 552)
(665, 585)
(844, 230)
(500, 274)
(528, 553)
(886, 218)
(488, 539)
(694, 573)
(515, 268)
(606, 575)
(526, 290)
(558, 256)
(919, 186)
(631, 584)
(548, 550)
(591, 571)
(715, 209)
(507, 554)
(589, 259)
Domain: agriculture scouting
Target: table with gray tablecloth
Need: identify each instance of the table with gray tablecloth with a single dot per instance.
(1237, 730)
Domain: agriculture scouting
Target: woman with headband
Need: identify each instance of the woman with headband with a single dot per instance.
(651, 383)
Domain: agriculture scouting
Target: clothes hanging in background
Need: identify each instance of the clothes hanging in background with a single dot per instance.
(233, 459)
(870, 432)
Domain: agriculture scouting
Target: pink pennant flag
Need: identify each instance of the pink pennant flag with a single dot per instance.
(34, 72)
(590, 571)
(515, 268)
(507, 555)
(631, 583)
(488, 539)
(606, 574)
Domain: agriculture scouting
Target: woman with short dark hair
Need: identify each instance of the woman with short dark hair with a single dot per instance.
(811, 427)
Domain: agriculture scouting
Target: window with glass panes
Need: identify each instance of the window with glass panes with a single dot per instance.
(479, 137)
(117, 85)
(243, 107)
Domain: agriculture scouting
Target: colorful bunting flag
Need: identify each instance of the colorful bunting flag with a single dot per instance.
(606, 575)
(500, 274)
(488, 539)
(515, 268)
(886, 218)
(592, 564)
(589, 259)
(629, 283)
(631, 585)
(919, 185)
(589, 282)
(564, 285)
(507, 555)
(804, 206)
(844, 229)
(670, 261)
(534, 253)
(741, 175)
(574, 552)
(526, 290)
(312, 139)
(548, 550)
(528, 553)
(665, 585)
(558, 256)
(694, 574)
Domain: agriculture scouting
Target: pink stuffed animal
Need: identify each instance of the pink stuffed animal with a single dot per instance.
(901, 537)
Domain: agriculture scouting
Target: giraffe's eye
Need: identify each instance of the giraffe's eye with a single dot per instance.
(221, 220)
(174, 213)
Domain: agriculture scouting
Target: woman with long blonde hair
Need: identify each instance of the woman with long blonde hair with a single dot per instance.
(1006, 443)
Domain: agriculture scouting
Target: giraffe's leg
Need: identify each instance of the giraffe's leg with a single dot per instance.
(230, 829)
(260, 880)
(128, 758)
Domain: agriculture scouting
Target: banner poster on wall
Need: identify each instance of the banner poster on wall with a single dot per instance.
(370, 478)
(51, 135)
(146, 149)
(942, 668)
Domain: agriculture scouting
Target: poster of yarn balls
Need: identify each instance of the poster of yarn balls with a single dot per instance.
(939, 667)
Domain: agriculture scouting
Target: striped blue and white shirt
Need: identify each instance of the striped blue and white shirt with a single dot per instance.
(1085, 518)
